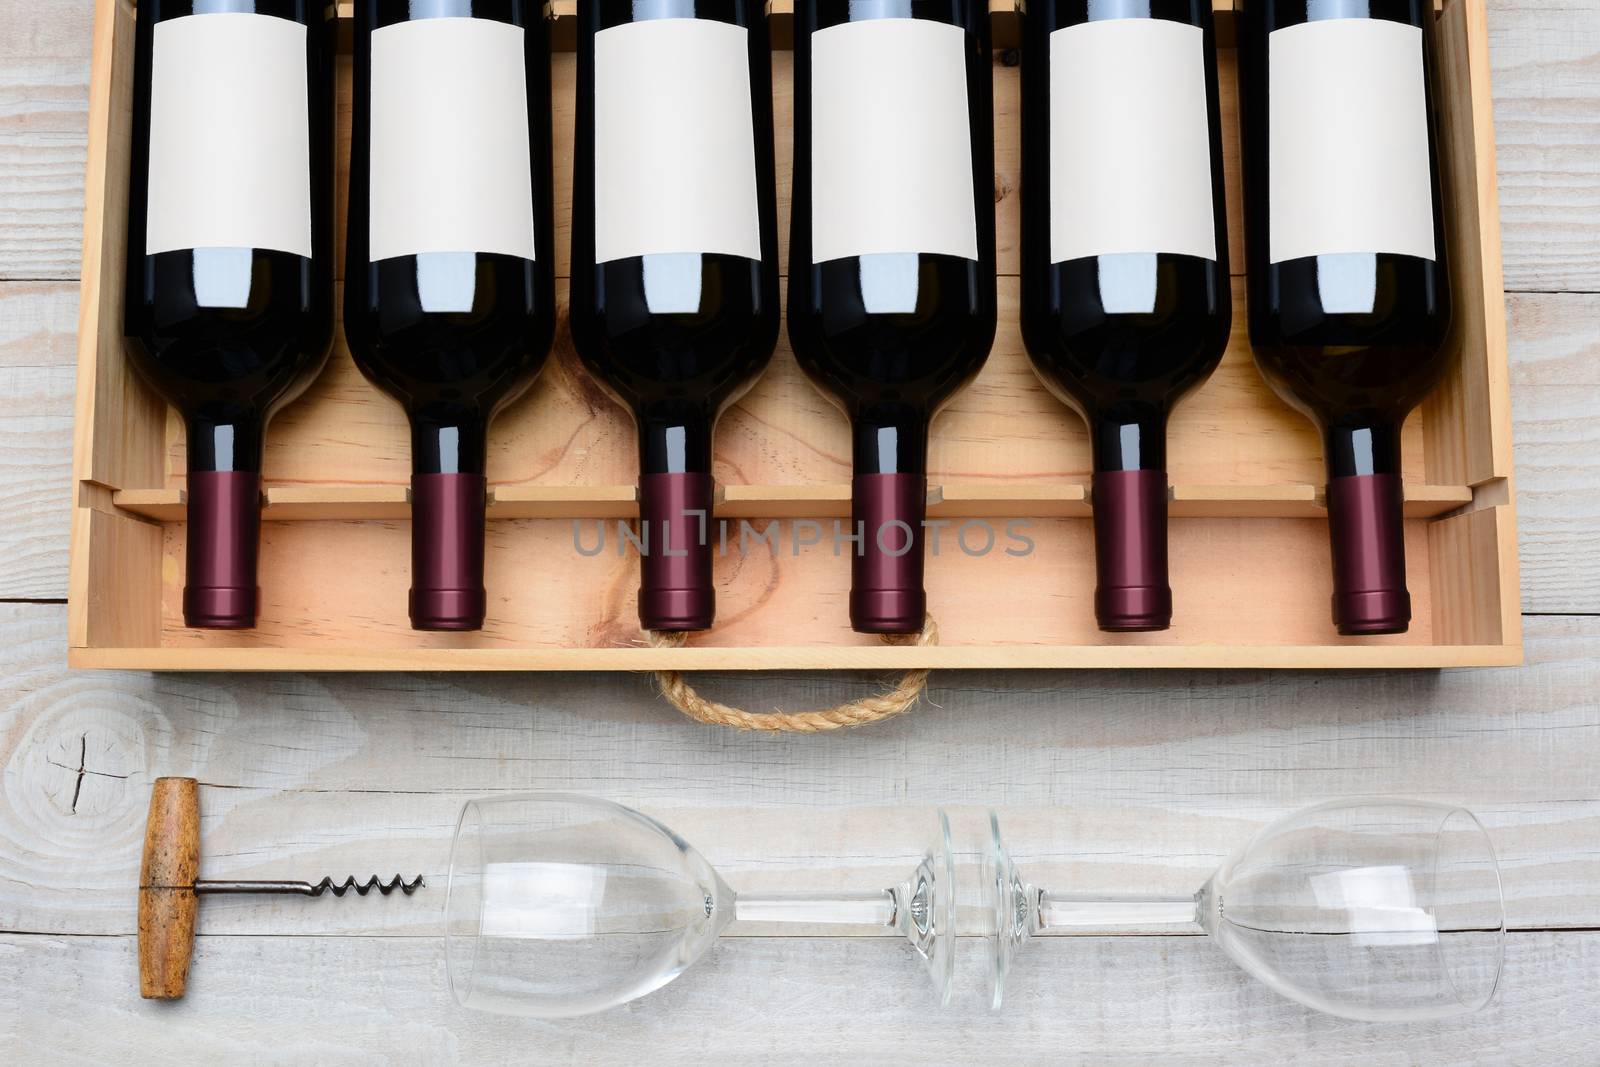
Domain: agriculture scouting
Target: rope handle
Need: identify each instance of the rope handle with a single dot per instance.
(860, 712)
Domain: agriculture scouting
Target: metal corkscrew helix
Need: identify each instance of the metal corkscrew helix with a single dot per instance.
(169, 891)
(314, 889)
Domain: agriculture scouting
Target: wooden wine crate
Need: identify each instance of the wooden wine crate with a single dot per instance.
(1250, 570)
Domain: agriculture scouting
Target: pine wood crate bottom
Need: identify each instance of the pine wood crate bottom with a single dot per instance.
(1249, 541)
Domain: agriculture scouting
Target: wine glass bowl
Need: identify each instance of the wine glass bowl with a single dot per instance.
(562, 905)
(1378, 910)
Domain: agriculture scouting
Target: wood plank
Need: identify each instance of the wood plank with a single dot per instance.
(296, 503)
(1547, 122)
(1475, 577)
(120, 420)
(477, 656)
(563, 502)
(1209, 501)
(1423, 501)
(157, 505)
(1555, 349)
(44, 92)
(1107, 780)
(1469, 414)
(346, 502)
(1170, 1000)
(38, 321)
(110, 596)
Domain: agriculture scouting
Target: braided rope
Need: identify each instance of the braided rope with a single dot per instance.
(861, 712)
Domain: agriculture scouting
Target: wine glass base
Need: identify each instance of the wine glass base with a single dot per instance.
(1010, 908)
(926, 910)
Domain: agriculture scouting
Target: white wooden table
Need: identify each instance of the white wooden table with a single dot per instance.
(1125, 781)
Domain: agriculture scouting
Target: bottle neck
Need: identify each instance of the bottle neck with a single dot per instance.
(449, 446)
(1359, 450)
(447, 551)
(891, 442)
(225, 446)
(1366, 526)
(1132, 591)
(889, 494)
(223, 544)
(1129, 440)
(677, 497)
(674, 439)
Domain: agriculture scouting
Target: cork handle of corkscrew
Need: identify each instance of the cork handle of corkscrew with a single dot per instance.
(167, 901)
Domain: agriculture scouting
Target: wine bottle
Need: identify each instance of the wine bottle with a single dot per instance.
(229, 282)
(891, 273)
(674, 255)
(450, 295)
(1349, 285)
(1126, 300)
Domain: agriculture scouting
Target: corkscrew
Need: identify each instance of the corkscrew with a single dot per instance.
(310, 889)
(170, 891)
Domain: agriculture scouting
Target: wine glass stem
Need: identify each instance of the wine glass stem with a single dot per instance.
(1068, 912)
(831, 909)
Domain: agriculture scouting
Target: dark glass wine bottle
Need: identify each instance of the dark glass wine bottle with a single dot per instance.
(1349, 283)
(891, 272)
(1126, 300)
(229, 295)
(450, 294)
(674, 255)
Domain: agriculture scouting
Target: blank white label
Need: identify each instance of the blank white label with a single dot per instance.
(230, 140)
(675, 147)
(891, 144)
(1349, 134)
(1130, 141)
(451, 165)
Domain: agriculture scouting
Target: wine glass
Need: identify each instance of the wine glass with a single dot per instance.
(561, 905)
(1380, 910)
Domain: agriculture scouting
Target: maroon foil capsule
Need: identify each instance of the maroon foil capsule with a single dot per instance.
(224, 541)
(886, 593)
(1130, 535)
(1366, 522)
(675, 515)
(447, 527)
